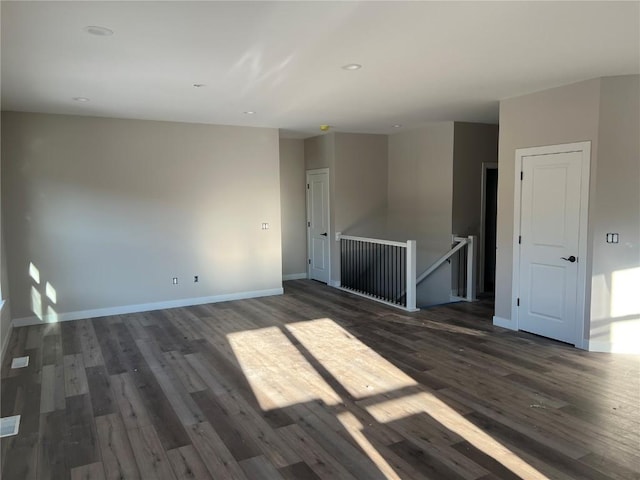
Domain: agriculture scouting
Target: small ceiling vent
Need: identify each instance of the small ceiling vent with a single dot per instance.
(9, 426)
(20, 362)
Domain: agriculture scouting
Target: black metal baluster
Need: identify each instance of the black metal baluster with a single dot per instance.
(385, 274)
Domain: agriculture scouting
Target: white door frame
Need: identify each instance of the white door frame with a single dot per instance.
(483, 213)
(521, 153)
(329, 236)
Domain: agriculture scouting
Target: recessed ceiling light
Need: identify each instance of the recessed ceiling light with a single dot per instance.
(98, 31)
(81, 99)
(352, 66)
(397, 125)
(249, 112)
(198, 85)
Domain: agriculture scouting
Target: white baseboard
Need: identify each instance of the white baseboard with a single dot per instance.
(504, 323)
(583, 344)
(145, 307)
(608, 347)
(334, 283)
(294, 276)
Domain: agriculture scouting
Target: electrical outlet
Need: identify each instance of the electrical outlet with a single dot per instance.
(195, 279)
(174, 280)
(265, 226)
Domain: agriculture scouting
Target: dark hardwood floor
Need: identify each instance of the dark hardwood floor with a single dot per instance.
(314, 384)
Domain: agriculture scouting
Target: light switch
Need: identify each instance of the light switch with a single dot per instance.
(613, 238)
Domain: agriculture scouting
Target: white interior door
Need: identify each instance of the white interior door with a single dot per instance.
(552, 243)
(318, 224)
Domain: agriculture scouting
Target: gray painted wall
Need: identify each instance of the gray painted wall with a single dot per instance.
(293, 207)
(110, 210)
(421, 202)
(357, 181)
(615, 207)
(360, 186)
(606, 112)
(402, 188)
(5, 313)
(473, 145)
(320, 152)
(560, 115)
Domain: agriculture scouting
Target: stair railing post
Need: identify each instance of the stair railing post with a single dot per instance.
(471, 268)
(411, 275)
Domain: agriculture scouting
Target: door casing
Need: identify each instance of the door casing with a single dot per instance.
(521, 153)
(328, 206)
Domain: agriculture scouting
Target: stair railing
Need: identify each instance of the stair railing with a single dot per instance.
(465, 290)
(382, 270)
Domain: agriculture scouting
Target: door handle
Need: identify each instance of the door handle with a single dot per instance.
(570, 259)
(324, 234)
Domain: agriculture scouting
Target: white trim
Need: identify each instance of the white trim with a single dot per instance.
(435, 265)
(373, 240)
(334, 283)
(608, 347)
(145, 307)
(585, 148)
(504, 323)
(295, 276)
(483, 215)
(394, 305)
(329, 236)
(410, 282)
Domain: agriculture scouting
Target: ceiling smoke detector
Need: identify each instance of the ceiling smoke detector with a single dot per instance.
(352, 66)
(98, 31)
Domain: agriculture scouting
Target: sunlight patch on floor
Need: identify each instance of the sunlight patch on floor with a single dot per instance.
(360, 370)
(276, 370)
(281, 376)
(422, 403)
(353, 426)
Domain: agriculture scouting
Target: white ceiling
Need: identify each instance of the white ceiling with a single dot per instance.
(422, 61)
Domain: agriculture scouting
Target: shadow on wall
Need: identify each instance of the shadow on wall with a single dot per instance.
(616, 319)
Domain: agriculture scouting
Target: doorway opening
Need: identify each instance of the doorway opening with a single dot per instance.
(488, 228)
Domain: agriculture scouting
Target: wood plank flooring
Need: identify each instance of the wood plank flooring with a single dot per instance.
(314, 384)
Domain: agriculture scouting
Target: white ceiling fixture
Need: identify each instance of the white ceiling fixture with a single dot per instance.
(249, 112)
(81, 99)
(352, 66)
(423, 61)
(98, 31)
